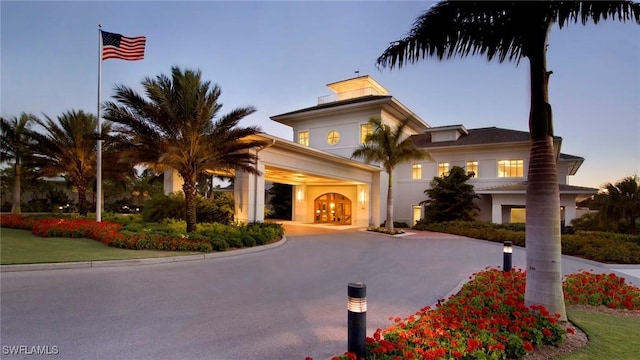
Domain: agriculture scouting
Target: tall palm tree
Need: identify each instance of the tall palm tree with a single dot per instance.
(178, 126)
(67, 147)
(512, 31)
(388, 146)
(13, 134)
(621, 202)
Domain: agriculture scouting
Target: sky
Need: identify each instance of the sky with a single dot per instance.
(279, 56)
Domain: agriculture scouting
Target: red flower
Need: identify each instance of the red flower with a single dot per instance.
(527, 346)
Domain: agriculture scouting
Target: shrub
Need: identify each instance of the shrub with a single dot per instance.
(248, 240)
(163, 207)
(219, 245)
(234, 239)
(217, 209)
(397, 224)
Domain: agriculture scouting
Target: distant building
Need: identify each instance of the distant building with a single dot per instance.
(330, 187)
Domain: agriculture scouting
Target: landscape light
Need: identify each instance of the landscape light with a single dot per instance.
(357, 319)
(507, 252)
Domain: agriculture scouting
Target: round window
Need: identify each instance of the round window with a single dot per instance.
(333, 137)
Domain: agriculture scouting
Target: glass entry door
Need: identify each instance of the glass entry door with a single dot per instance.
(332, 208)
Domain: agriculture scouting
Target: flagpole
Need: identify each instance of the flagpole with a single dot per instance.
(99, 131)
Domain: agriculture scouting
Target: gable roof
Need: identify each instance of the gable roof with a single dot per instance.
(327, 105)
(480, 136)
(385, 102)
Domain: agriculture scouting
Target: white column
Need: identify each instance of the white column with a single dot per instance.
(258, 182)
(496, 210)
(243, 196)
(378, 190)
(172, 181)
(300, 211)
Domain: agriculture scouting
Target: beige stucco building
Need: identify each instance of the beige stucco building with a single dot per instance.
(330, 187)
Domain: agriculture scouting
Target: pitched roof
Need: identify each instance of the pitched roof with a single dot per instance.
(489, 135)
(334, 104)
(564, 156)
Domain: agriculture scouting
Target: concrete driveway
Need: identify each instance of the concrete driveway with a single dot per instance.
(284, 303)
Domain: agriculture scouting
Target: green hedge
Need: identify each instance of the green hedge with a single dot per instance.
(598, 246)
(131, 232)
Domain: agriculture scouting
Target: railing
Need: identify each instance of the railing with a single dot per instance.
(348, 95)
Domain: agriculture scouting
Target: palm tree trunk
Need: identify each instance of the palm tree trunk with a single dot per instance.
(543, 248)
(389, 222)
(83, 208)
(15, 205)
(189, 189)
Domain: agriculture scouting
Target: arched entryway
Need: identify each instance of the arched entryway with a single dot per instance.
(332, 208)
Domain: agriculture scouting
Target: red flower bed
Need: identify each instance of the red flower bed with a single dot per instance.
(487, 319)
(105, 231)
(16, 222)
(585, 288)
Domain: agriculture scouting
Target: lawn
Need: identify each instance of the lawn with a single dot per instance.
(610, 336)
(22, 247)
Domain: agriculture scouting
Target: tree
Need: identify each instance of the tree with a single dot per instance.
(68, 148)
(390, 147)
(621, 202)
(13, 134)
(450, 198)
(178, 126)
(512, 31)
(281, 201)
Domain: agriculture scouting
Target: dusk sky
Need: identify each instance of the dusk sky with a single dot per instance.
(278, 57)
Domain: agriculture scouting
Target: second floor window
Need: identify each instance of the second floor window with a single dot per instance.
(333, 137)
(511, 168)
(416, 173)
(365, 129)
(443, 169)
(472, 169)
(303, 138)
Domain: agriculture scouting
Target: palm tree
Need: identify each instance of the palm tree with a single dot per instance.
(390, 147)
(13, 133)
(621, 201)
(178, 126)
(67, 147)
(512, 31)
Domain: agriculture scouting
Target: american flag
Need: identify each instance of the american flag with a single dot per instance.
(116, 46)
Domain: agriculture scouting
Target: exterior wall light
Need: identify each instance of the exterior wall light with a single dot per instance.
(300, 195)
(507, 253)
(357, 318)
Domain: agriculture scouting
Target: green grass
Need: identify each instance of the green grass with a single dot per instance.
(22, 247)
(610, 336)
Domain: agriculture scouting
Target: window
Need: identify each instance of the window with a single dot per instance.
(472, 169)
(518, 215)
(416, 173)
(365, 129)
(443, 169)
(303, 138)
(333, 137)
(511, 168)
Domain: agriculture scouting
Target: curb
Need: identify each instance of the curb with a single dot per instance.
(138, 262)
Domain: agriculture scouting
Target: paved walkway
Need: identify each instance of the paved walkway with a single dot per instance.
(287, 302)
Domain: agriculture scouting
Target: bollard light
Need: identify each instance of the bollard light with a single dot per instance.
(507, 252)
(357, 319)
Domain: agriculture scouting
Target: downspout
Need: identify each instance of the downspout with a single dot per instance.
(255, 182)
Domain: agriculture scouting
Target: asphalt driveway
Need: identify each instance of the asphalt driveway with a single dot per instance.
(288, 302)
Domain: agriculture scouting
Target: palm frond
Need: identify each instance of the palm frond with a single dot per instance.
(497, 30)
